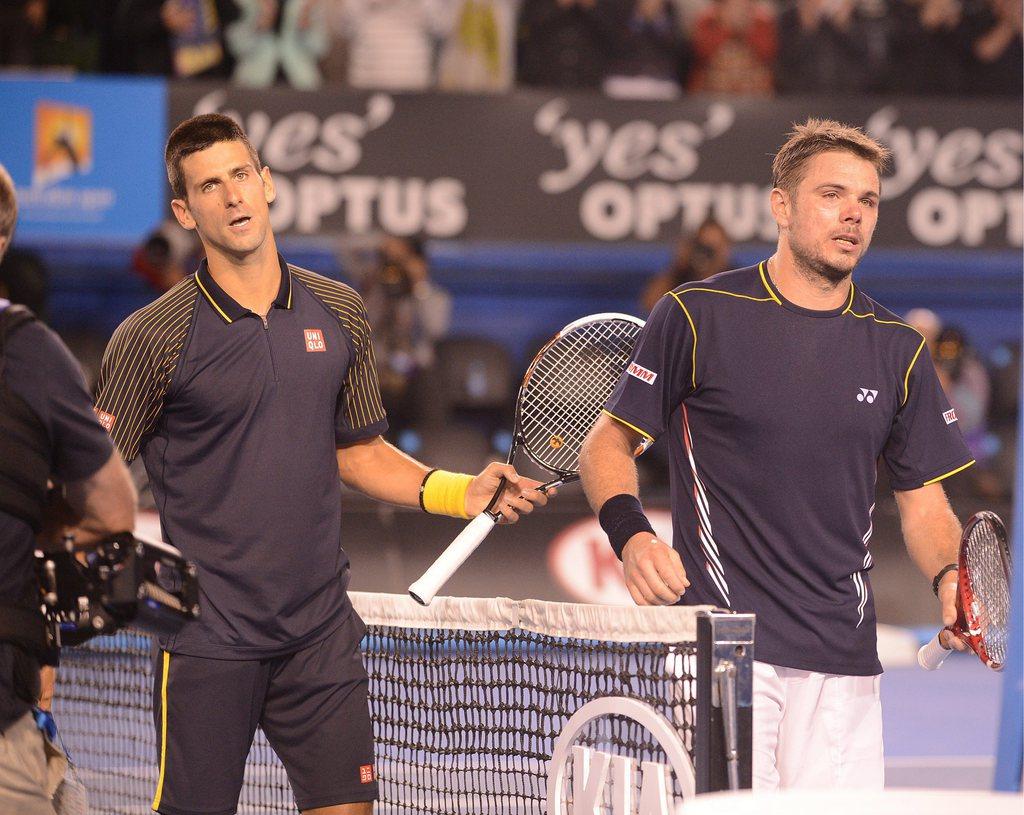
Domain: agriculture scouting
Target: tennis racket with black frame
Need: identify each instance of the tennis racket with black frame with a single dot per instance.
(982, 595)
(560, 398)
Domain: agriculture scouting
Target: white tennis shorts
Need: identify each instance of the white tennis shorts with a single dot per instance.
(816, 730)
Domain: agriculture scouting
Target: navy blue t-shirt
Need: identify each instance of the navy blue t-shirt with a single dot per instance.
(40, 370)
(777, 416)
(238, 420)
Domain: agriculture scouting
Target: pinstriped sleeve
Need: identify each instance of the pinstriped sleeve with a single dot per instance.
(131, 387)
(360, 412)
(138, 366)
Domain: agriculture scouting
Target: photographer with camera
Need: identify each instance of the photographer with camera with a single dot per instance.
(698, 256)
(48, 433)
(410, 313)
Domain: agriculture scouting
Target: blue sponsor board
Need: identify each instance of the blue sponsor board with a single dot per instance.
(86, 155)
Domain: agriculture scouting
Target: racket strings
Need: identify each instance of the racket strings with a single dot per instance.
(990, 606)
(568, 386)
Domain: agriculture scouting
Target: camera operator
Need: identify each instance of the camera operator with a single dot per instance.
(48, 433)
(410, 313)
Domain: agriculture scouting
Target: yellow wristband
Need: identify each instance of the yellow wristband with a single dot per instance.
(444, 493)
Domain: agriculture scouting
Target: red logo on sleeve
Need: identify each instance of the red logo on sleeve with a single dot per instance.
(366, 774)
(106, 419)
(314, 340)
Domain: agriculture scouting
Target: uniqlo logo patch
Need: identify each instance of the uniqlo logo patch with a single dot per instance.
(366, 774)
(641, 373)
(106, 419)
(314, 340)
(949, 416)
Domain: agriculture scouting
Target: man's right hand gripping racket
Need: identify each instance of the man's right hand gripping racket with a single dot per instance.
(561, 396)
(982, 595)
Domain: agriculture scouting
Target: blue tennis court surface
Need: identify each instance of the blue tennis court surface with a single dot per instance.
(940, 727)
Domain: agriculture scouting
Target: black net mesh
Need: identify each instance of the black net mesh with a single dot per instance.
(464, 720)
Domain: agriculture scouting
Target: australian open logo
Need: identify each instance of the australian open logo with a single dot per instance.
(63, 142)
(583, 777)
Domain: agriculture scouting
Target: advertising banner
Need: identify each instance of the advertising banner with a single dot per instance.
(551, 167)
(86, 156)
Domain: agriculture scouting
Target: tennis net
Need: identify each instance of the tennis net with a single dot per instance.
(470, 699)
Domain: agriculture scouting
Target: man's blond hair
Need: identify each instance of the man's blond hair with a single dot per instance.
(819, 136)
(8, 204)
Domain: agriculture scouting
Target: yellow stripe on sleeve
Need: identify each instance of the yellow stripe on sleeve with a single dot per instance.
(620, 420)
(163, 730)
(947, 475)
(906, 379)
(693, 328)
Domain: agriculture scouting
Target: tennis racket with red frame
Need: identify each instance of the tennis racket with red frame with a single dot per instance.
(561, 396)
(982, 595)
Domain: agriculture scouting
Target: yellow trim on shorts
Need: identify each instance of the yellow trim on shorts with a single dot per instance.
(163, 730)
(643, 433)
(947, 475)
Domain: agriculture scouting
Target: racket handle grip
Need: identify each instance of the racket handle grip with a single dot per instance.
(932, 655)
(449, 561)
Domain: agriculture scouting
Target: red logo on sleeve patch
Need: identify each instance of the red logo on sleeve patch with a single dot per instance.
(314, 340)
(949, 416)
(366, 775)
(106, 419)
(641, 373)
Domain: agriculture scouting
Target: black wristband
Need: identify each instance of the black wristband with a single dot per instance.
(949, 567)
(622, 517)
(423, 486)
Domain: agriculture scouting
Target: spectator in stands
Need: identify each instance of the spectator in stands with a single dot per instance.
(926, 47)
(653, 60)
(391, 43)
(479, 52)
(994, 34)
(183, 38)
(21, 21)
(827, 46)
(567, 43)
(278, 38)
(410, 313)
(166, 256)
(734, 46)
(698, 256)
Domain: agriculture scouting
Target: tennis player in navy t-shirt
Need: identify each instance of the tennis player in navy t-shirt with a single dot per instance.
(780, 386)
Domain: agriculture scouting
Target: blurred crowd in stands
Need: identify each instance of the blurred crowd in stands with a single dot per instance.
(628, 48)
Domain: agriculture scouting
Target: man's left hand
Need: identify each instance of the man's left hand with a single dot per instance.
(519, 497)
(947, 597)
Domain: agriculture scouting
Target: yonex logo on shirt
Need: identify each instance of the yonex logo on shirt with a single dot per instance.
(641, 373)
(949, 416)
(315, 340)
(866, 395)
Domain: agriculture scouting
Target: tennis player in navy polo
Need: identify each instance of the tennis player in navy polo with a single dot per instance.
(247, 389)
(780, 386)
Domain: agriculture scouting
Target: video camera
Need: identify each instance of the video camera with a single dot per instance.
(124, 580)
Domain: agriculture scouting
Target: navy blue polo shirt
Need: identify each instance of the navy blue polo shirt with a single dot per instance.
(777, 416)
(237, 420)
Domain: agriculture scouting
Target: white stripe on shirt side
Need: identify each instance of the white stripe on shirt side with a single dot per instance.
(707, 538)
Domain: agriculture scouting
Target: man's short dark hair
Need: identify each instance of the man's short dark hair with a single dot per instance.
(197, 134)
(8, 204)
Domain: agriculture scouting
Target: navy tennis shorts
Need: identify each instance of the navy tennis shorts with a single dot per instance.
(311, 704)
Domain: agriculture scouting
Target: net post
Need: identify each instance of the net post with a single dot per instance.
(725, 680)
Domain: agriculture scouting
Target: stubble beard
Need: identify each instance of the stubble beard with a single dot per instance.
(813, 265)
